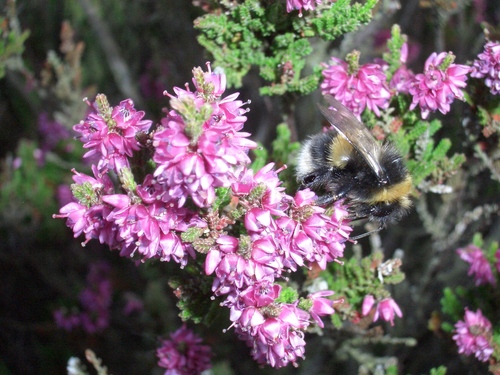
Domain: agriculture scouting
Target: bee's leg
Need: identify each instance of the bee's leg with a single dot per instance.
(326, 199)
(365, 234)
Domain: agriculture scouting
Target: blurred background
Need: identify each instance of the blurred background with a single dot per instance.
(138, 49)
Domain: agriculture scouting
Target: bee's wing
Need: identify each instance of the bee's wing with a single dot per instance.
(347, 125)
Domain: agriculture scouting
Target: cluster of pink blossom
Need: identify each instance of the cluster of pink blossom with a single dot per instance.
(199, 150)
(403, 77)
(194, 155)
(473, 335)
(110, 133)
(292, 5)
(440, 84)
(184, 354)
(283, 233)
(191, 160)
(386, 309)
(95, 300)
(357, 87)
(480, 268)
(275, 331)
(487, 66)
(366, 86)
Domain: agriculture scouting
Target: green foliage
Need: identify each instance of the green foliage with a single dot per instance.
(429, 160)
(489, 117)
(337, 321)
(193, 292)
(441, 370)
(496, 338)
(11, 44)
(287, 295)
(491, 250)
(358, 277)
(451, 305)
(85, 194)
(27, 191)
(393, 57)
(193, 116)
(477, 240)
(241, 36)
(392, 370)
(284, 152)
(447, 327)
(342, 17)
(222, 198)
(261, 155)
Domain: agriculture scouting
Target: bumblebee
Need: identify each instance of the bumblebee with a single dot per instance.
(347, 163)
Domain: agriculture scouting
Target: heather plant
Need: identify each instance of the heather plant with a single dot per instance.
(202, 201)
(193, 201)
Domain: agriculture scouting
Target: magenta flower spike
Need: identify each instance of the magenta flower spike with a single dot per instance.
(387, 309)
(183, 353)
(487, 66)
(356, 87)
(440, 84)
(479, 268)
(473, 335)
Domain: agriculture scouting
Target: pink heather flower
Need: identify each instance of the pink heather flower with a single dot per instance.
(238, 264)
(260, 294)
(111, 136)
(480, 7)
(150, 190)
(310, 235)
(321, 306)
(151, 230)
(193, 159)
(133, 304)
(66, 320)
(228, 266)
(51, 132)
(480, 268)
(64, 195)
(386, 309)
(487, 66)
(274, 332)
(17, 162)
(473, 335)
(89, 217)
(439, 85)
(264, 261)
(210, 85)
(271, 200)
(497, 262)
(183, 354)
(364, 87)
(292, 5)
(402, 79)
(368, 303)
